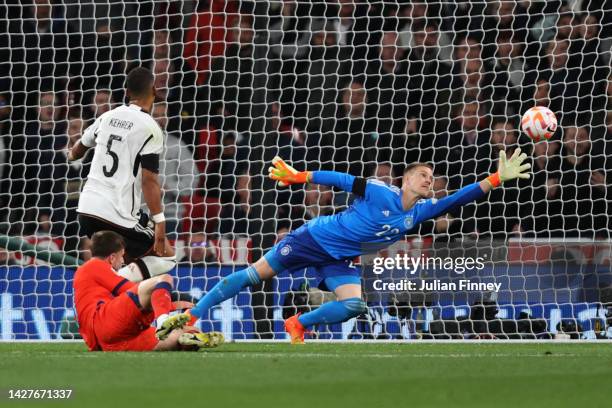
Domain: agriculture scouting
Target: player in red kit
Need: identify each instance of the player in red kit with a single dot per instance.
(115, 314)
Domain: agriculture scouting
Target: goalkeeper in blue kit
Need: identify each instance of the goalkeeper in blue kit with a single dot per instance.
(381, 215)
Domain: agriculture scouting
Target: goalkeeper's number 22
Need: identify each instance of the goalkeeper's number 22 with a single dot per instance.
(386, 231)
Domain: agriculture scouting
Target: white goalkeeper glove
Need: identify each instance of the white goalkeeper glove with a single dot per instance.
(510, 169)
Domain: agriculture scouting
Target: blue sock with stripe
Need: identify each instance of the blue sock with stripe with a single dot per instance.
(334, 312)
(227, 288)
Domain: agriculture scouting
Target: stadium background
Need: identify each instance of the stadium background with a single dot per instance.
(364, 87)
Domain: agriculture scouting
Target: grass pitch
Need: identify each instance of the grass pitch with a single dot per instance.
(316, 375)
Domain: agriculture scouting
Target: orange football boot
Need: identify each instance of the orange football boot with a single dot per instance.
(295, 329)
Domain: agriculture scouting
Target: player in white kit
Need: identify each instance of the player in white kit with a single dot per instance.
(127, 146)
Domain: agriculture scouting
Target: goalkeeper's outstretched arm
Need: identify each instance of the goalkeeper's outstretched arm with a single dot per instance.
(508, 169)
(287, 175)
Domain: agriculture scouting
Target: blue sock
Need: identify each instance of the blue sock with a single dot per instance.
(334, 312)
(225, 289)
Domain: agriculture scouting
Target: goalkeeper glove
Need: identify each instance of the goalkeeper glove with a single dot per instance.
(285, 174)
(509, 169)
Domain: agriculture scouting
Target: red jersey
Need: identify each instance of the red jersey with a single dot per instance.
(95, 283)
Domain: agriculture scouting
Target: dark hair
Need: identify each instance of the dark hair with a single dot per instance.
(104, 243)
(413, 166)
(139, 81)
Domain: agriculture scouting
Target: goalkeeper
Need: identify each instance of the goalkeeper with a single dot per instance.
(381, 215)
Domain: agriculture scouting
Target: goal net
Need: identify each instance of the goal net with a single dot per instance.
(352, 86)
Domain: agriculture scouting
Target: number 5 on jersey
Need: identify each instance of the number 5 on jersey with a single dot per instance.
(113, 155)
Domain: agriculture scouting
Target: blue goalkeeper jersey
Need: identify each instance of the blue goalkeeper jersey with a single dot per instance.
(376, 218)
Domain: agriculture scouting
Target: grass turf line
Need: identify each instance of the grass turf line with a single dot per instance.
(316, 375)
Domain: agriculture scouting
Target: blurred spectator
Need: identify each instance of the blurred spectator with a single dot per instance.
(563, 93)
(99, 60)
(540, 208)
(583, 184)
(39, 53)
(101, 102)
(327, 68)
(504, 134)
(430, 78)
(456, 152)
(318, 201)
(197, 251)
(384, 173)
(511, 72)
(167, 90)
(179, 174)
(291, 35)
(467, 48)
(222, 172)
(45, 137)
(474, 80)
(355, 132)
(593, 68)
(553, 18)
(161, 44)
(498, 215)
(504, 16)
(541, 94)
(386, 83)
(68, 179)
(229, 88)
(289, 42)
(235, 216)
(205, 38)
(415, 13)
(358, 25)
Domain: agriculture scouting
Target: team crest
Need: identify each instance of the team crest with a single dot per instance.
(285, 250)
(408, 222)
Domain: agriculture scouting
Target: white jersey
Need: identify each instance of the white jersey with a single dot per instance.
(114, 185)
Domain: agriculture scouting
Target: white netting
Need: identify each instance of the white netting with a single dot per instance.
(353, 86)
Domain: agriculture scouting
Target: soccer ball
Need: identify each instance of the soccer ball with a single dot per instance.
(539, 123)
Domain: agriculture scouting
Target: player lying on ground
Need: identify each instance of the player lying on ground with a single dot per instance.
(116, 315)
(381, 215)
(127, 143)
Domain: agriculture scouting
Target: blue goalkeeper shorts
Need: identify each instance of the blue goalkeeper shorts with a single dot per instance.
(298, 250)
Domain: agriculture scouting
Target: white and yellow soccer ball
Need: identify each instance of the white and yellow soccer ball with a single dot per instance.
(539, 123)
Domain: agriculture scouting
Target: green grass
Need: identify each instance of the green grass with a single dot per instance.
(317, 375)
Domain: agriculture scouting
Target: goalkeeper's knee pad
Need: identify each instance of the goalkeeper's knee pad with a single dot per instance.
(147, 267)
(354, 306)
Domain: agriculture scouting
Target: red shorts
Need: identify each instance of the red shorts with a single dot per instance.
(120, 325)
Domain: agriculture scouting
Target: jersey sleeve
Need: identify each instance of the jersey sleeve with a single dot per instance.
(112, 282)
(154, 142)
(433, 208)
(342, 181)
(89, 136)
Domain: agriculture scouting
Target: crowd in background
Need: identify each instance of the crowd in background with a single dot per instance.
(353, 86)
